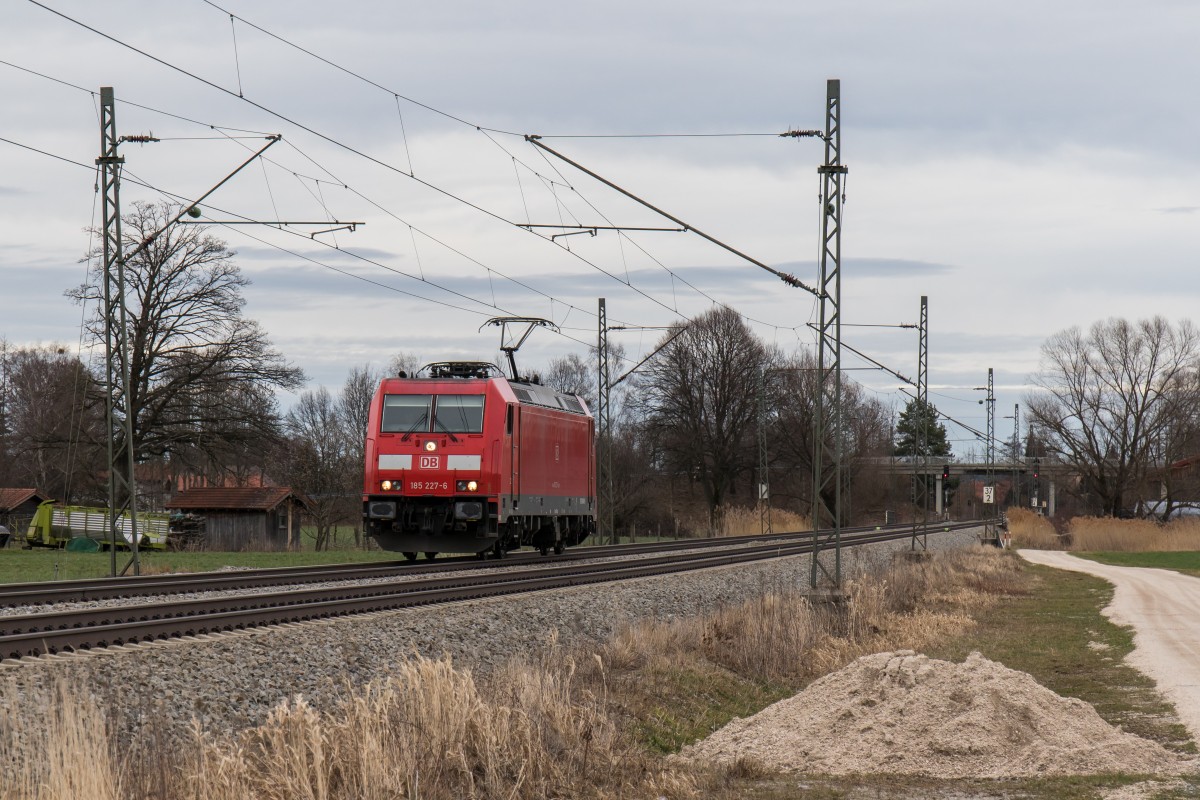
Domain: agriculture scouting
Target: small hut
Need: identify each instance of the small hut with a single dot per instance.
(17, 507)
(244, 517)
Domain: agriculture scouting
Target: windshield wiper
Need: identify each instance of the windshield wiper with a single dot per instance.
(437, 423)
(413, 429)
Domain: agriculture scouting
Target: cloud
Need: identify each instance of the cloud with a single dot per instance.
(1178, 210)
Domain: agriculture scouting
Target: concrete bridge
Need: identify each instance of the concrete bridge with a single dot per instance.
(1003, 471)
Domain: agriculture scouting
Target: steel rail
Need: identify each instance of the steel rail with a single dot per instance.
(89, 589)
(38, 634)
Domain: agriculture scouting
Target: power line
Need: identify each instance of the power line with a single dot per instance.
(672, 308)
(477, 126)
(134, 179)
(281, 166)
(486, 130)
(351, 149)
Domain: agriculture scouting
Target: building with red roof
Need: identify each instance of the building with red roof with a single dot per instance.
(238, 518)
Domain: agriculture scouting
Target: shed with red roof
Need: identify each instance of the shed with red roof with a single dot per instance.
(244, 517)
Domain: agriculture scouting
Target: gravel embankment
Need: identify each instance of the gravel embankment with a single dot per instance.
(230, 681)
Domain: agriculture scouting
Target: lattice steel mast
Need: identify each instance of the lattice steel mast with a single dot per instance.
(122, 484)
(921, 457)
(604, 433)
(990, 525)
(829, 357)
(1016, 455)
(764, 465)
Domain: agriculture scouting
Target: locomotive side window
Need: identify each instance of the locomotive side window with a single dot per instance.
(459, 413)
(405, 413)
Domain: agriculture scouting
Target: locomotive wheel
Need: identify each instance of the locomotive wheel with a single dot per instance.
(498, 551)
(430, 556)
(544, 550)
(410, 556)
(559, 547)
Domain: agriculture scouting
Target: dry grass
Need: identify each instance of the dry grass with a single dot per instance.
(428, 731)
(1134, 535)
(1032, 530)
(737, 521)
(783, 637)
(59, 753)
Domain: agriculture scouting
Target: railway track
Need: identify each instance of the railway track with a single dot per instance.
(64, 631)
(85, 590)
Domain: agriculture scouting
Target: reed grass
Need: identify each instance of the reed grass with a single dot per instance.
(1032, 530)
(740, 521)
(1134, 535)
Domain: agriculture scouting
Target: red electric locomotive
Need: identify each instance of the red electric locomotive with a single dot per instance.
(460, 459)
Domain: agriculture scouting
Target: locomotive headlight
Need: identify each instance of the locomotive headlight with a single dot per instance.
(472, 486)
(466, 486)
(431, 446)
(386, 486)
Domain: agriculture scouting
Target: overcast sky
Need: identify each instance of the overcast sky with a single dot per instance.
(1027, 166)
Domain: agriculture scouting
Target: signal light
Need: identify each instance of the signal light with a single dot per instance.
(945, 472)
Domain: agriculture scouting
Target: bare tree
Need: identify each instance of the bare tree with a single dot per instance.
(317, 459)
(572, 375)
(1114, 400)
(202, 376)
(354, 409)
(51, 436)
(700, 396)
(791, 389)
(404, 361)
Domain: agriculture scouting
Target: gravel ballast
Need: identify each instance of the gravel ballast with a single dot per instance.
(228, 682)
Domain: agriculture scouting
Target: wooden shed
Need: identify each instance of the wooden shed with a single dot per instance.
(17, 507)
(245, 517)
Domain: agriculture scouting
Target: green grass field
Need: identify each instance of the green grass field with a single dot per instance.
(20, 566)
(1187, 562)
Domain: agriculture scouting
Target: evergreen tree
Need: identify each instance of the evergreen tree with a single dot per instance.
(908, 431)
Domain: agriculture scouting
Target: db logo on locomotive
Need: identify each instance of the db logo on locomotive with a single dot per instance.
(428, 462)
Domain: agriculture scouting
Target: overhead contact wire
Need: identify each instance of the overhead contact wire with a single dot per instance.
(347, 147)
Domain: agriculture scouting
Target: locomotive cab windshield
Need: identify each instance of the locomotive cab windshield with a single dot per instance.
(452, 413)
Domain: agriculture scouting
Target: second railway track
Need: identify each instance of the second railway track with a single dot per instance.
(91, 589)
(59, 631)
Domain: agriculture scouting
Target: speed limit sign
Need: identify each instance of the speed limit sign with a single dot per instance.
(989, 495)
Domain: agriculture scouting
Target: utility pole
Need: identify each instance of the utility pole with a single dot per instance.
(764, 479)
(920, 529)
(122, 484)
(829, 350)
(989, 488)
(604, 435)
(1016, 455)
(604, 403)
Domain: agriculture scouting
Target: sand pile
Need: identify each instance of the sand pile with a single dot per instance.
(905, 713)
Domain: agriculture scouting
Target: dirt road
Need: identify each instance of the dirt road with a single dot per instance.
(1163, 607)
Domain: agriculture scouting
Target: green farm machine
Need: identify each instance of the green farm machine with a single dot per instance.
(82, 528)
